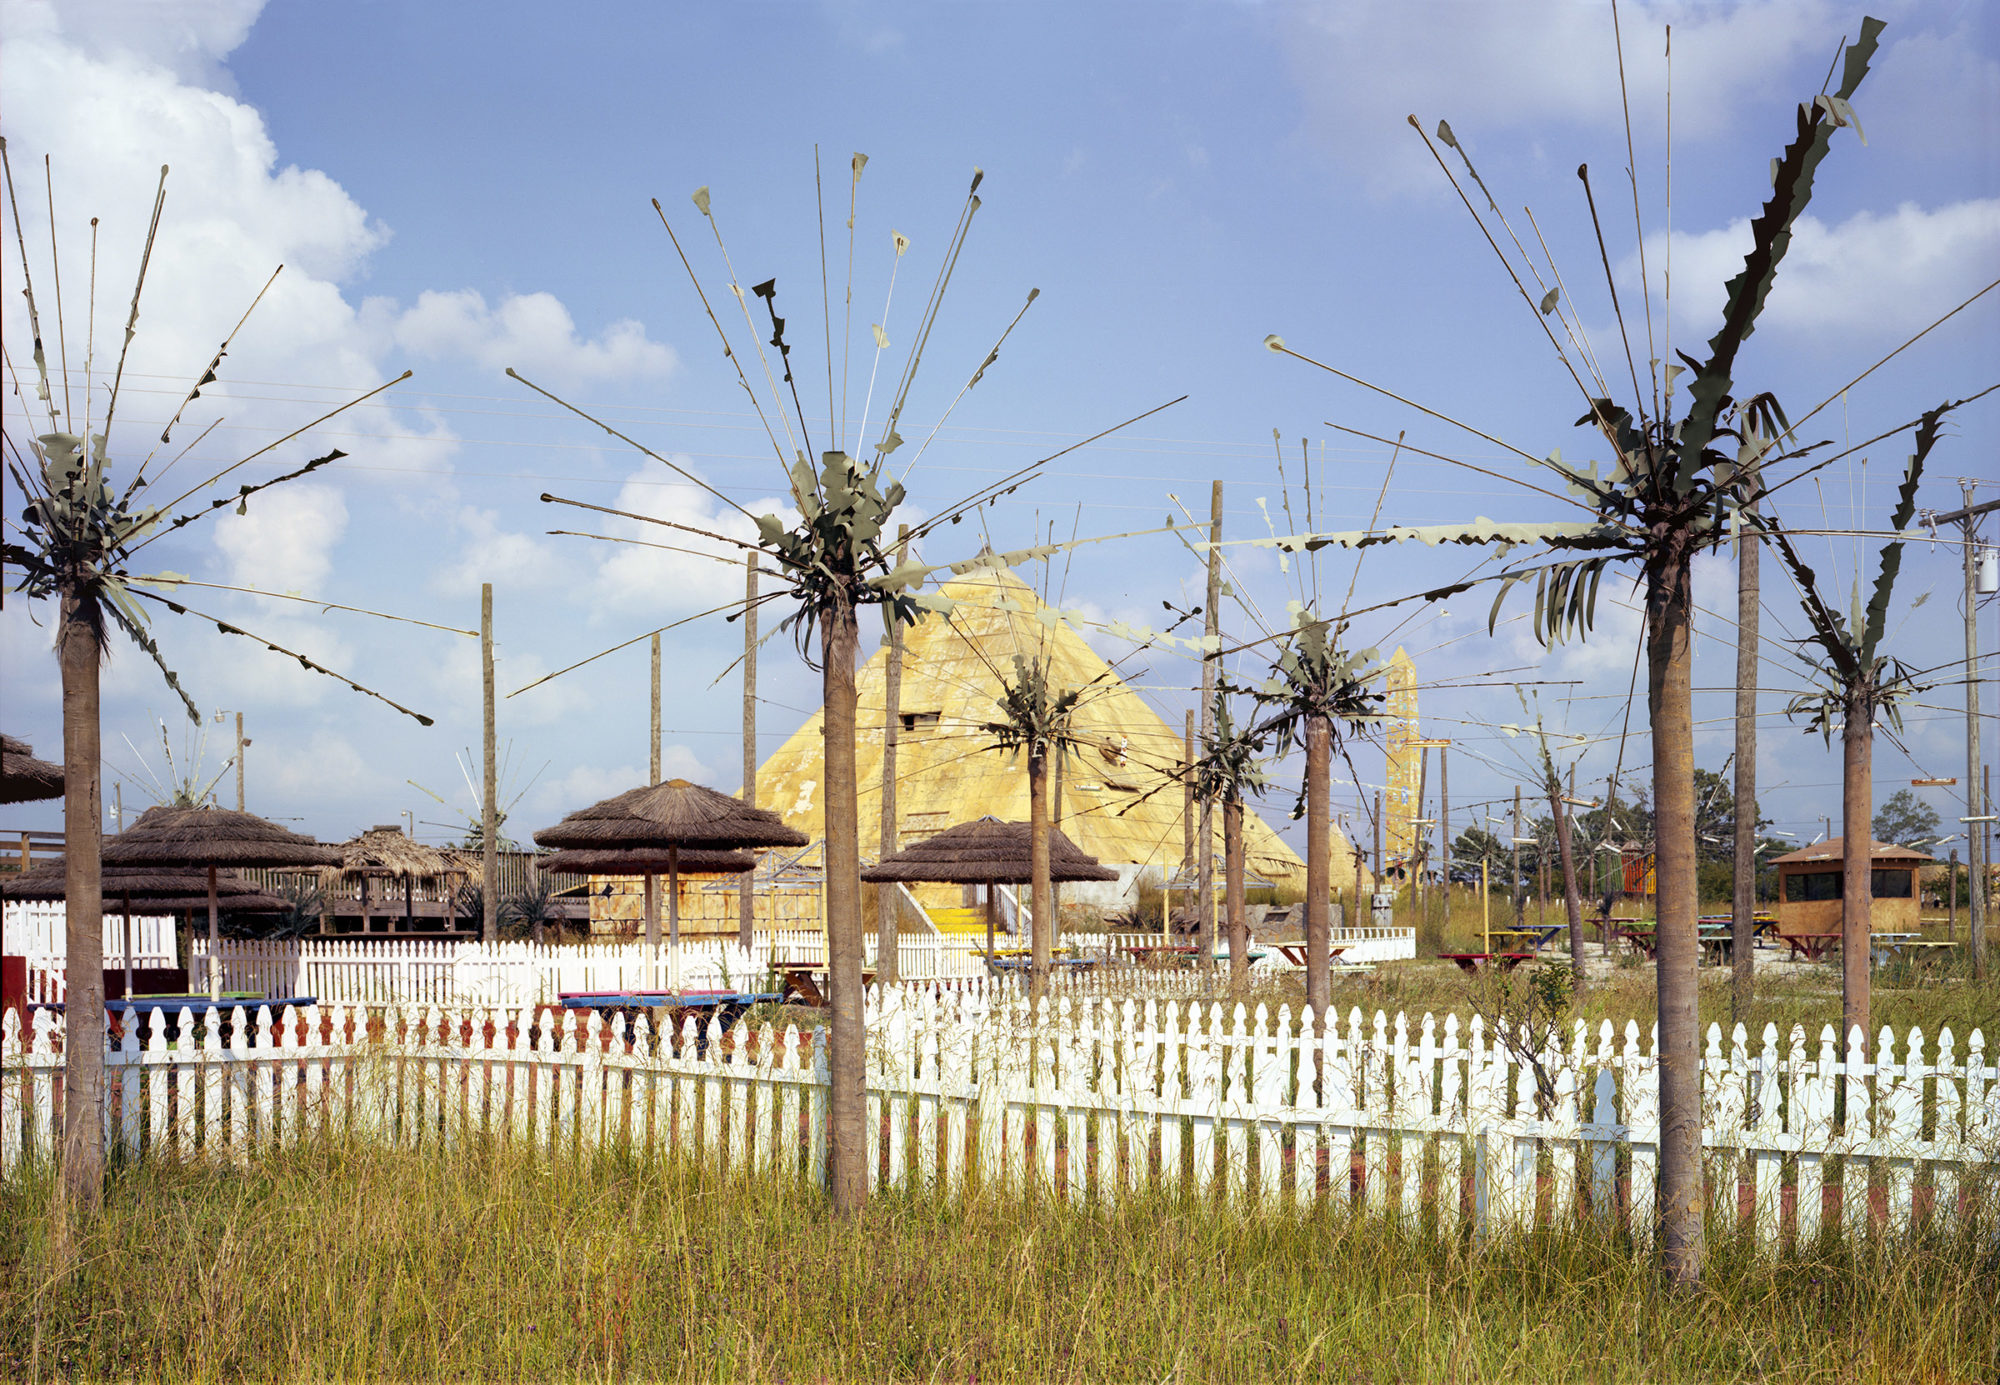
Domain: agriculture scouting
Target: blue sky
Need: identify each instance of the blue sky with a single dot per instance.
(456, 189)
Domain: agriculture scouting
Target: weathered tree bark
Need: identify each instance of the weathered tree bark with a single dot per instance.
(886, 959)
(1743, 900)
(847, 1171)
(80, 652)
(1857, 861)
(1041, 905)
(1232, 894)
(489, 810)
(1670, 702)
(1319, 868)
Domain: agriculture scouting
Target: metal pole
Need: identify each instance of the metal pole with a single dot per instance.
(489, 811)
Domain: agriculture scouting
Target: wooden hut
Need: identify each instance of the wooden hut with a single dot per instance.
(1809, 888)
(385, 854)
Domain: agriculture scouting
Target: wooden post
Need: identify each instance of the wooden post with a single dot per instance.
(655, 739)
(848, 1176)
(1319, 868)
(887, 959)
(1444, 831)
(489, 811)
(1204, 893)
(240, 743)
(1380, 863)
(1419, 851)
(746, 893)
(1979, 835)
(1187, 819)
(1519, 895)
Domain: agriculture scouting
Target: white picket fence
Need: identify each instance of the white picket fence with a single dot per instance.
(361, 971)
(1093, 1099)
(37, 930)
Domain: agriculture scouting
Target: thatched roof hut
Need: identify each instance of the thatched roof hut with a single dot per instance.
(23, 778)
(674, 814)
(984, 851)
(386, 851)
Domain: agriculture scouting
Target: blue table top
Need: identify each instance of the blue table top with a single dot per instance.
(607, 1000)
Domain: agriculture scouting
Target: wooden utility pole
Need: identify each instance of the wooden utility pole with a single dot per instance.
(1743, 889)
(848, 1176)
(1379, 862)
(1572, 891)
(886, 959)
(746, 896)
(652, 899)
(1187, 816)
(1444, 830)
(1520, 896)
(489, 811)
(1204, 896)
(240, 743)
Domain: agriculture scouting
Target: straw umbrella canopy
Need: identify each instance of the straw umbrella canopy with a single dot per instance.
(23, 778)
(672, 817)
(144, 890)
(212, 838)
(985, 851)
(386, 853)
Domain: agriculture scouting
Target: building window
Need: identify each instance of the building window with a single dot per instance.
(1809, 887)
(1890, 884)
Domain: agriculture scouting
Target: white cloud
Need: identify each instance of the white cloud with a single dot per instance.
(190, 39)
(587, 784)
(285, 539)
(1883, 273)
(533, 333)
(1511, 65)
(660, 581)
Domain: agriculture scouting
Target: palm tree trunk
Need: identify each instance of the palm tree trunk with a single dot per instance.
(1743, 904)
(80, 649)
(1670, 702)
(1041, 901)
(847, 1172)
(1857, 864)
(1232, 893)
(1319, 869)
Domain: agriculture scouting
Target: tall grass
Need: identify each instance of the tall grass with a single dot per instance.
(335, 1261)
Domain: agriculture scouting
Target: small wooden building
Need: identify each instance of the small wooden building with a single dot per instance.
(1809, 888)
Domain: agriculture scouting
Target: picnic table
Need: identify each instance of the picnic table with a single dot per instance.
(798, 981)
(725, 1006)
(1536, 935)
(1761, 925)
(1471, 962)
(1294, 951)
(1915, 949)
(1161, 954)
(1012, 960)
(1643, 940)
(1809, 947)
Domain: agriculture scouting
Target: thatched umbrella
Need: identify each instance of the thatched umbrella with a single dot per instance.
(23, 778)
(212, 838)
(670, 818)
(985, 851)
(145, 890)
(385, 853)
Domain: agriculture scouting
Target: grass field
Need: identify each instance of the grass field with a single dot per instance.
(335, 1262)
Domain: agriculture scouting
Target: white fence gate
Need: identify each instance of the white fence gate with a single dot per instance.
(1093, 1099)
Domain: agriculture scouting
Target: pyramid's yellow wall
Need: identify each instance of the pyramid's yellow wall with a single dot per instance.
(1117, 801)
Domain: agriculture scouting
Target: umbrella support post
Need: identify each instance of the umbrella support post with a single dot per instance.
(214, 942)
(128, 947)
(652, 934)
(674, 919)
